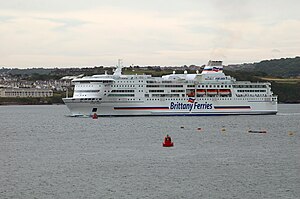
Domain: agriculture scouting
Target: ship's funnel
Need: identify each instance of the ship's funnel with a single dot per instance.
(213, 67)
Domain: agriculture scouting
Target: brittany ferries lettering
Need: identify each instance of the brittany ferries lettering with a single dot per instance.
(210, 92)
(195, 105)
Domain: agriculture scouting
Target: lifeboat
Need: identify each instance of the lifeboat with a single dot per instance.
(224, 91)
(168, 142)
(212, 91)
(200, 91)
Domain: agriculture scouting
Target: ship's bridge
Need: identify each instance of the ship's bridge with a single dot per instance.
(92, 87)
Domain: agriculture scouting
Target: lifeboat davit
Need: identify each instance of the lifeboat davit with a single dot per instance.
(168, 142)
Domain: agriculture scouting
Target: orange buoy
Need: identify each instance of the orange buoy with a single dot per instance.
(95, 116)
(168, 142)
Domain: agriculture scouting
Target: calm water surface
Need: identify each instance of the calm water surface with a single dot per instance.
(44, 154)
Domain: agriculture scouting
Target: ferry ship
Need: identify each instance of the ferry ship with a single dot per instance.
(210, 92)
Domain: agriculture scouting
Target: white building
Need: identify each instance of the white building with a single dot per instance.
(25, 92)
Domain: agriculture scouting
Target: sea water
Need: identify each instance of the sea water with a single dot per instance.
(45, 154)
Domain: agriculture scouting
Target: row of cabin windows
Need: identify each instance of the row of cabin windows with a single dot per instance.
(123, 99)
(251, 91)
(219, 98)
(121, 95)
(156, 91)
(123, 85)
(172, 99)
(249, 86)
(191, 86)
(178, 86)
(164, 82)
(177, 91)
(122, 91)
(127, 86)
(112, 91)
(89, 99)
(205, 99)
(214, 86)
(87, 91)
(128, 81)
(169, 85)
(183, 95)
(199, 86)
(165, 95)
(87, 84)
(173, 91)
(252, 95)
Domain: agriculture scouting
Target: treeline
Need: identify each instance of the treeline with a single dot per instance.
(287, 92)
(284, 67)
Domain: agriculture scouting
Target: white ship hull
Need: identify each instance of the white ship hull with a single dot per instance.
(208, 93)
(172, 108)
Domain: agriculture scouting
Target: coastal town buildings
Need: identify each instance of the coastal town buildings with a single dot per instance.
(14, 87)
(25, 92)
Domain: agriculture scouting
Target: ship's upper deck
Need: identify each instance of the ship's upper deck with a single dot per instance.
(211, 74)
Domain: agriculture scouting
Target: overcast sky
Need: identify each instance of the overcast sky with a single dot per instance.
(65, 33)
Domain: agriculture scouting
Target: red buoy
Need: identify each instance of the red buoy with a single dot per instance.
(168, 142)
(95, 116)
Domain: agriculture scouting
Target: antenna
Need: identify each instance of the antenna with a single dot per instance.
(120, 62)
(118, 71)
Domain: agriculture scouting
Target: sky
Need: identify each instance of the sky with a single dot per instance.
(69, 33)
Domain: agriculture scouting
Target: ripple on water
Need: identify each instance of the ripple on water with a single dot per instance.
(45, 154)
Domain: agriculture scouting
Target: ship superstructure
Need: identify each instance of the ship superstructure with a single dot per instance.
(210, 92)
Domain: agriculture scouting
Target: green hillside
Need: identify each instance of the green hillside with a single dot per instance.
(284, 67)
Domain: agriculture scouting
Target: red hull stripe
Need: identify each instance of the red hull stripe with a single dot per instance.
(141, 108)
(232, 107)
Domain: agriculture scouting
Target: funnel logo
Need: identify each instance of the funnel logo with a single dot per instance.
(216, 69)
(191, 100)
